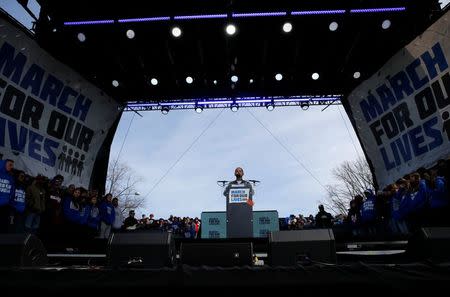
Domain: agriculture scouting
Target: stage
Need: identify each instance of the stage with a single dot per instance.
(317, 278)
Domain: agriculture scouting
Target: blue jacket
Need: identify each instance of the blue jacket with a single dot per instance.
(107, 213)
(439, 195)
(18, 202)
(71, 212)
(395, 202)
(413, 203)
(93, 217)
(6, 185)
(368, 213)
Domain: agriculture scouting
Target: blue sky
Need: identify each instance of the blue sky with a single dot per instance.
(155, 141)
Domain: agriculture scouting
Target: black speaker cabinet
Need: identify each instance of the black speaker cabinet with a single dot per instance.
(21, 250)
(431, 243)
(224, 254)
(288, 248)
(146, 250)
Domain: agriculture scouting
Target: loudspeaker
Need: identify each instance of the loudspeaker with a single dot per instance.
(288, 248)
(216, 254)
(431, 243)
(23, 250)
(146, 250)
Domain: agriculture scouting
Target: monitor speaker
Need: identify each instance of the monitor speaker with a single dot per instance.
(224, 254)
(288, 248)
(21, 250)
(146, 250)
(431, 243)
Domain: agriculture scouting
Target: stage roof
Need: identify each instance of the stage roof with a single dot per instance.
(258, 51)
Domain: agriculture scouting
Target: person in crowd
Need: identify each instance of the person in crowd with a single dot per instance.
(130, 221)
(53, 217)
(143, 220)
(107, 216)
(118, 218)
(151, 223)
(414, 204)
(438, 198)
(93, 218)
(6, 193)
(35, 204)
(17, 219)
(354, 218)
(74, 214)
(398, 223)
(323, 218)
(368, 213)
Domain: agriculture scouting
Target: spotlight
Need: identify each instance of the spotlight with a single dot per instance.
(287, 27)
(176, 32)
(315, 76)
(154, 81)
(304, 105)
(215, 82)
(189, 80)
(81, 37)
(198, 109)
(270, 107)
(333, 26)
(231, 29)
(115, 83)
(251, 80)
(234, 107)
(278, 76)
(356, 75)
(55, 30)
(234, 78)
(386, 24)
(130, 34)
(165, 110)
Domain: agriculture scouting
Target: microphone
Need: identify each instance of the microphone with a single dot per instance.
(222, 182)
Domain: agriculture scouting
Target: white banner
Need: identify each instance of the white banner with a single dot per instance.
(239, 195)
(52, 121)
(402, 112)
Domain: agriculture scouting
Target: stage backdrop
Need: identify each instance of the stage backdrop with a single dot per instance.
(214, 224)
(401, 113)
(52, 121)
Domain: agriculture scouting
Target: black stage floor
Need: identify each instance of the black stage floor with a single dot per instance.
(359, 278)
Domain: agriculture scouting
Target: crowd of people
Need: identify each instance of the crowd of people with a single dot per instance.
(44, 206)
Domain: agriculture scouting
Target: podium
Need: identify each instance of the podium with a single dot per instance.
(239, 212)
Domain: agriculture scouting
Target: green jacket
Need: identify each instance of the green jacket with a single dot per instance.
(35, 198)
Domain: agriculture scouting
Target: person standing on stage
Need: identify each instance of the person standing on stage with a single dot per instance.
(239, 173)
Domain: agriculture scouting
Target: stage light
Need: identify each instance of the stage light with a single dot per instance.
(81, 37)
(317, 12)
(176, 32)
(381, 9)
(230, 29)
(234, 107)
(234, 78)
(54, 30)
(356, 75)
(165, 110)
(130, 34)
(189, 80)
(154, 81)
(304, 105)
(198, 109)
(315, 76)
(386, 24)
(200, 16)
(115, 83)
(270, 107)
(215, 82)
(251, 80)
(89, 23)
(287, 27)
(278, 76)
(258, 14)
(333, 26)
